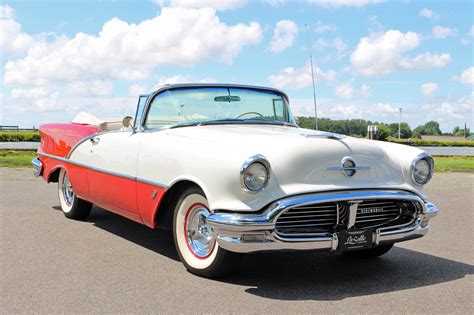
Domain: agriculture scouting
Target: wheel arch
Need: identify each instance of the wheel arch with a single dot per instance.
(165, 210)
(53, 175)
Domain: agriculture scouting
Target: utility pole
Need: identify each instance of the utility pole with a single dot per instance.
(400, 123)
(312, 76)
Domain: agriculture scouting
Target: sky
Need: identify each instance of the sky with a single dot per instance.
(370, 57)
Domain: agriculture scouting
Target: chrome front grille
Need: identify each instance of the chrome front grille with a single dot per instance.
(315, 218)
(373, 213)
(332, 216)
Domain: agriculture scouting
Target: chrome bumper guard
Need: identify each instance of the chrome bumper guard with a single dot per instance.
(255, 232)
(37, 167)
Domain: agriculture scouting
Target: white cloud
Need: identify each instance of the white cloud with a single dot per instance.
(297, 78)
(467, 39)
(323, 28)
(345, 90)
(283, 36)
(326, 3)
(443, 32)
(365, 90)
(137, 89)
(220, 5)
(427, 13)
(12, 40)
(181, 79)
(382, 54)
(343, 3)
(130, 51)
(467, 76)
(337, 43)
(449, 112)
(428, 89)
(86, 64)
(383, 108)
(274, 2)
(425, 61)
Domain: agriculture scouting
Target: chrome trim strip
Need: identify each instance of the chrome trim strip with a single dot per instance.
(150, 182)
(68, 156)
(328, 135)
(353, 206)
(101, 170)
(340, 168)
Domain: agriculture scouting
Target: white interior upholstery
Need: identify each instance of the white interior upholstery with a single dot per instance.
(107, 124)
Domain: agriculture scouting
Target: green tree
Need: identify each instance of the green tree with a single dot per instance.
(383, 132)
(432, 128)
(405, 130)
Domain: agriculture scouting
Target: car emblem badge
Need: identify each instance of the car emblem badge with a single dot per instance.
(348, 167)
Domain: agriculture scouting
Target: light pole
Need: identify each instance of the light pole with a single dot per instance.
(400, 123)
(312, 76)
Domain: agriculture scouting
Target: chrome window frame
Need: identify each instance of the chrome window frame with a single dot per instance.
(171, 87)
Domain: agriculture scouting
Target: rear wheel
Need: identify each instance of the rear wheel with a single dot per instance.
(370, 253)
(196, 241)
(72, 206)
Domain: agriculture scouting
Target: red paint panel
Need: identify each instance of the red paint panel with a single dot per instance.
(147, 205)
(58, 139)
(78, 175)
(114, 193)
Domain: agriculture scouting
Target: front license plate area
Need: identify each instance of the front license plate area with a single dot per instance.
(355, 239)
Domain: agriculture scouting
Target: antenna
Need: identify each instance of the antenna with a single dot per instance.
(312, 76)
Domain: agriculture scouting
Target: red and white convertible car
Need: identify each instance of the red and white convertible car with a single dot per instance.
(229, 171)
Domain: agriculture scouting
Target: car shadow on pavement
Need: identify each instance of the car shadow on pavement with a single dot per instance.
(306, 275)
(325, 276)
(159, 241)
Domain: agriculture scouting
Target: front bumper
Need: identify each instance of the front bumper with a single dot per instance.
(255, 232)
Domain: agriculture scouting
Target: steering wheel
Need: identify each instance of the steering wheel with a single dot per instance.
(248, 113)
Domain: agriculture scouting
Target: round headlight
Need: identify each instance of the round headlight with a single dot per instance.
(254, 174)
(422, 169)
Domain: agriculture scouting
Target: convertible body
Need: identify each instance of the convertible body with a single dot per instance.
(265, 183)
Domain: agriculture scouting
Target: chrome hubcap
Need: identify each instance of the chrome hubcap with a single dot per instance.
(200, 236)
(68, 193)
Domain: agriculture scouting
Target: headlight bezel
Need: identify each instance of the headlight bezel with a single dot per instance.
(428, 158)
(243, 172)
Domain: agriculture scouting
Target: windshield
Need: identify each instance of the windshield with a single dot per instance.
(192, 106)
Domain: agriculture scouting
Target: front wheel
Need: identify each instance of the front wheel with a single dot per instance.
(370, 253)
(196, 241)
(72, 206)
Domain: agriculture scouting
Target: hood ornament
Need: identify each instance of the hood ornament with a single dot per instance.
(348, 167)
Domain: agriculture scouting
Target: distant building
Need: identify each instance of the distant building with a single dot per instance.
(443, 138)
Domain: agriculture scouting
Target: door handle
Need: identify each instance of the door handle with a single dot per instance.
(95, 140)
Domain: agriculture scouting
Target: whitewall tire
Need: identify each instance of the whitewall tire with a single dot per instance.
(195, 240)
(72, 206)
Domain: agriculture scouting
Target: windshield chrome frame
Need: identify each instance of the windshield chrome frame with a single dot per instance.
(170, 87)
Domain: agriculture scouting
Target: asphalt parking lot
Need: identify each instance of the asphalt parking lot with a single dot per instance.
(109, 264)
